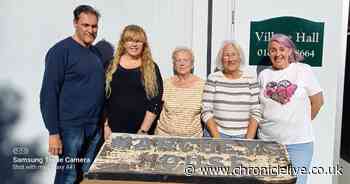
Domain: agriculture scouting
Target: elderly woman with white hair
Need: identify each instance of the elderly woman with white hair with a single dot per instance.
(230, 105)
(182, 98)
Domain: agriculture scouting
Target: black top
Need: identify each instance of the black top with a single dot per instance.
(128, 102)
(72, 92)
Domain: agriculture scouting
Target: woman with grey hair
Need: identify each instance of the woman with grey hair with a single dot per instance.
(230, 105)
(182, 98)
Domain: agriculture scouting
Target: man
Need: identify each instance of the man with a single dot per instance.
(72, 97)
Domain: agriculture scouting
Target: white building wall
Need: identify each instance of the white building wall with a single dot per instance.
(222, 27)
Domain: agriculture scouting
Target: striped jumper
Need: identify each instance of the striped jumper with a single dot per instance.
(231, 102)
(181, 110)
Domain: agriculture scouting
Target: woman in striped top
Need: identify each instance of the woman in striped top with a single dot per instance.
(230, 106)
(182, 99)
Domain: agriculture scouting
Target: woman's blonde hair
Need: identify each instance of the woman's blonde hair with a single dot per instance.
(148, 70)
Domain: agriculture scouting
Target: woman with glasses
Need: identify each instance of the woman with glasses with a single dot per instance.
(182, 98)
(134, 85)
(230, 100)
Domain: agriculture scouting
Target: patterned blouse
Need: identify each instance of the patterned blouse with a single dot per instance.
(181, 111)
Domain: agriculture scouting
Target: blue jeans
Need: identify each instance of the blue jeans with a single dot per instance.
(301, 156)
(80, 146)
(222, 135)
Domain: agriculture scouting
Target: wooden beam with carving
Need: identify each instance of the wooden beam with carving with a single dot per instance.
(133, 158)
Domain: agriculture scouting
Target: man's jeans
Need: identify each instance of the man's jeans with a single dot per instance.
(80, 146)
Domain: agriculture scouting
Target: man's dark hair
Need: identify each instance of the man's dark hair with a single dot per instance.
(85, 9)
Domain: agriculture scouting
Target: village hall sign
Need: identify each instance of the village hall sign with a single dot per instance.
(307, 36)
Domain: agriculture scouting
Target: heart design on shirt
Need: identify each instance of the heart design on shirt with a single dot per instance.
(281, 91)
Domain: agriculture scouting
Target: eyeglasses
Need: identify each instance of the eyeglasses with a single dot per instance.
(229, 55)
(183, 61)
(131, 42)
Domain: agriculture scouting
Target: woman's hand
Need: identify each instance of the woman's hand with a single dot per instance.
(213, 128)
(142, 132)
(316, 104)
(147, 122)
(107, 132)
(252, 127)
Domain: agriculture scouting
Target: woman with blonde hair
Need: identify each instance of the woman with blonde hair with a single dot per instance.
(133, 85)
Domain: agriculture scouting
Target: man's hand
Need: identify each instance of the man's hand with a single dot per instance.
(55, 144)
